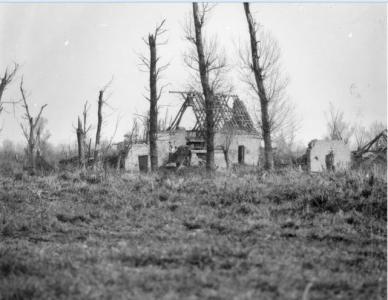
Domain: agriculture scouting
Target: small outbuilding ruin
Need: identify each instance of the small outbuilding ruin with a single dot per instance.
(331, 155)
(373, 154)
(236, 139)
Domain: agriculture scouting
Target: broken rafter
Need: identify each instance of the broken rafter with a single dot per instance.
(225, 117)
(377, 145)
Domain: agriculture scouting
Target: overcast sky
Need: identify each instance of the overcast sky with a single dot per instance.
(331, 53)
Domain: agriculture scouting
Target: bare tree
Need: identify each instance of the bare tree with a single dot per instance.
(108, 144)
(154, 74)
(215, 59)
(164, 123)
(31, 132)
(260, 69)
(205, 60)
(375, 128)
(199, 20)
(282, 119)
(337, 127)
(133, 135)
(363, 135)
(5, 80)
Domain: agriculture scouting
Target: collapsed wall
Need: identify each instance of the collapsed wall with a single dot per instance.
(328, 154)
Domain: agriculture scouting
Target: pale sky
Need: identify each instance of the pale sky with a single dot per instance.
(331, 53)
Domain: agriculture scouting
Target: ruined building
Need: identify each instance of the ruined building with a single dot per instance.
(330, 155)
(373, 154)
(236, 139)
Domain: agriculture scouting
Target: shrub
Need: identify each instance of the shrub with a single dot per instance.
(8, 168)
(333, 192)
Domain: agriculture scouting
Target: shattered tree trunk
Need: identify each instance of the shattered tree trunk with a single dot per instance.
(89, 149)
(98, 132)
(31, 148)
(209, 135)
(258, 72)
(81, 144)
(153, 104)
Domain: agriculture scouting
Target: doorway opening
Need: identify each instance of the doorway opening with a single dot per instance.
(241, 154)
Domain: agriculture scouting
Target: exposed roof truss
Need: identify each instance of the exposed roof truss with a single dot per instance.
(225, 117)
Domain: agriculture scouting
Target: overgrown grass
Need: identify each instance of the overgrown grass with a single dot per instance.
(233, 235)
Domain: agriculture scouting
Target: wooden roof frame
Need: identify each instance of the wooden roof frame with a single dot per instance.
(225, 117)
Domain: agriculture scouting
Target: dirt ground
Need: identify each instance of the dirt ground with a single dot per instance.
(234, 235)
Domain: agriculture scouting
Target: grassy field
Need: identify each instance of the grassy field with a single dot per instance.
(235, 235)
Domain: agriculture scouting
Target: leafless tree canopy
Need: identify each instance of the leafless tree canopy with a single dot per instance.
(32, 131)
(5, 80)
(145, 62)
(363, 135)
(282, 117)
(215, 59)
(151, 65)
(208, 65)
(337, 127)
(265, 89)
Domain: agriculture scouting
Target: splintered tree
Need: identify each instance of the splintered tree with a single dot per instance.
(81, 144)
(154, 72)
(99, 124)
(82, 130)
(31, 131)
(261, 71)
(206, 61)
(101, 101)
